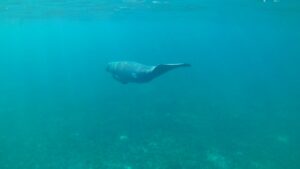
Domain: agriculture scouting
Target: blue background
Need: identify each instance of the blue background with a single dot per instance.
(236, 107)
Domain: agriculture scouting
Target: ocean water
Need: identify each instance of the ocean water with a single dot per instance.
(237, 107)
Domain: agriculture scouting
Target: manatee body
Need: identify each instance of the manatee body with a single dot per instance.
(126, 72)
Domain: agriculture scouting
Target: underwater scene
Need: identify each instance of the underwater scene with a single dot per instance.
(87, 84)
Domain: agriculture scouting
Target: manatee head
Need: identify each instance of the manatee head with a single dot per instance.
(110, 67)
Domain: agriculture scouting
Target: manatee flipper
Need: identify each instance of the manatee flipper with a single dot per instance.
(163, 68)
(119, 79)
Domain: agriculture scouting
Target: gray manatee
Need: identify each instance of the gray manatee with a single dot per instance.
(126, 72)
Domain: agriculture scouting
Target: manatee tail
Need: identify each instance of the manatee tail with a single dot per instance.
(163, 68)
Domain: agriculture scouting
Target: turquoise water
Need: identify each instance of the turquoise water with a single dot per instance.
(237, 107)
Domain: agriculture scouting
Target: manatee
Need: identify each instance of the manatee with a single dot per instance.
(134, 72)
